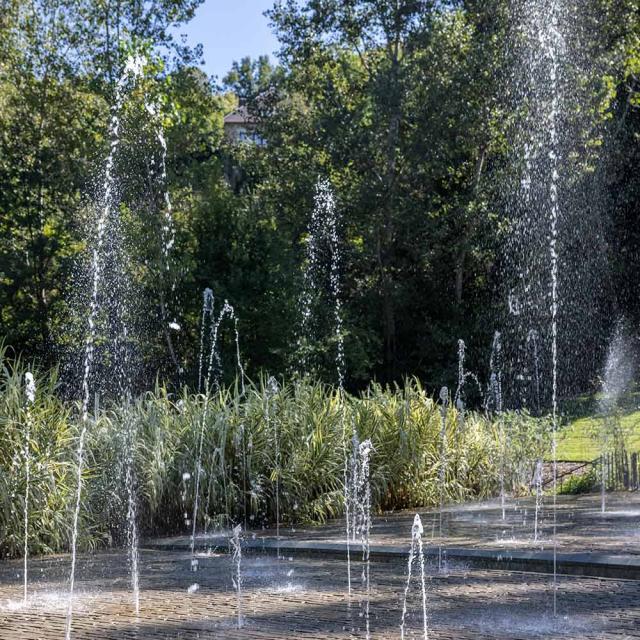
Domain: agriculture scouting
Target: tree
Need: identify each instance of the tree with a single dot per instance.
(394, 102)
(59, 63)
(249, 78)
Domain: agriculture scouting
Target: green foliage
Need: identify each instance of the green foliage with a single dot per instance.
(582, 483)
(308, 424)
(58, 65)
(52, 480)
(403, 106)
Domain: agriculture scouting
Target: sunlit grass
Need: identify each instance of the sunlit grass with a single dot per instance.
(580, 439)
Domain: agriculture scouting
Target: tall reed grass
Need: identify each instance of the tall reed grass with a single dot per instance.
(309, 424)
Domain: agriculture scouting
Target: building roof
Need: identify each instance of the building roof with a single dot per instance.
(240, 116)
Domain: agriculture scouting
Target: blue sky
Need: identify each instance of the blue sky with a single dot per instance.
(229, 30)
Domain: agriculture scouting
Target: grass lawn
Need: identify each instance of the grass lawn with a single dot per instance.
(579, 439)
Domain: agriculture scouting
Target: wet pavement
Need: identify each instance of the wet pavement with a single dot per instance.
(305, 596)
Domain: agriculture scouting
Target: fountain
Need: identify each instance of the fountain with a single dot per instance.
(207, 317)
(544, 33)
(494, 392)
(323, 232)
(463, 376)
(133, 69)
(362, 522)
(30, 393)
(461, 373)
(235, 541)
(442, 473)
(619, 372)
(494, 400)
(167, 236)
(106, 292)
(551, 42)
(184, 489)
(132, 519)
(537, 481)
(416, 552)
(167, 228)
(272, 390)
(323, 239)
(544, 48)
(227, 311)
(532, 342)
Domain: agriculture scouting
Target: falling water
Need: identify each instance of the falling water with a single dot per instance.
(132, 516)
(543, 47)
(323, 238)
(537, 480)
(444, 400)
(310, 276)
(186, 476)
(133, 69)
(326, 202)
(167, 235)
(459, 403)
(532, 342)
(227, 311)
(207, 316)
(494, 395)
(463, 376)
(270, 395)
(461, 416)
(167, 228)
(241, 443)
(123, 369)
(362, 501)
(461, 354)
(416, 550)
(194, 519)
(618, 375)
(30, 392)
(494, 400)
(549, 228)
(353, 484)
(551, 42)
(603, 484)
(323, 232)
(348, 484)
(238, 356)
(236, 547)
(503, 445)
(214, 363)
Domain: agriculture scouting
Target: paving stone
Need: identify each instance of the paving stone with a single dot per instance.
(306, 598)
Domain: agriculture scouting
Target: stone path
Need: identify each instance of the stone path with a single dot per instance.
(305, 597)
(302, 598)
(581, 527)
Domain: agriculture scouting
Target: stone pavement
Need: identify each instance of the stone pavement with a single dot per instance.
(580, 527)
(306, 598)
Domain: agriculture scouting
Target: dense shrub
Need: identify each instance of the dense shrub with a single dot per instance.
(308, 424)
(579, 483)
